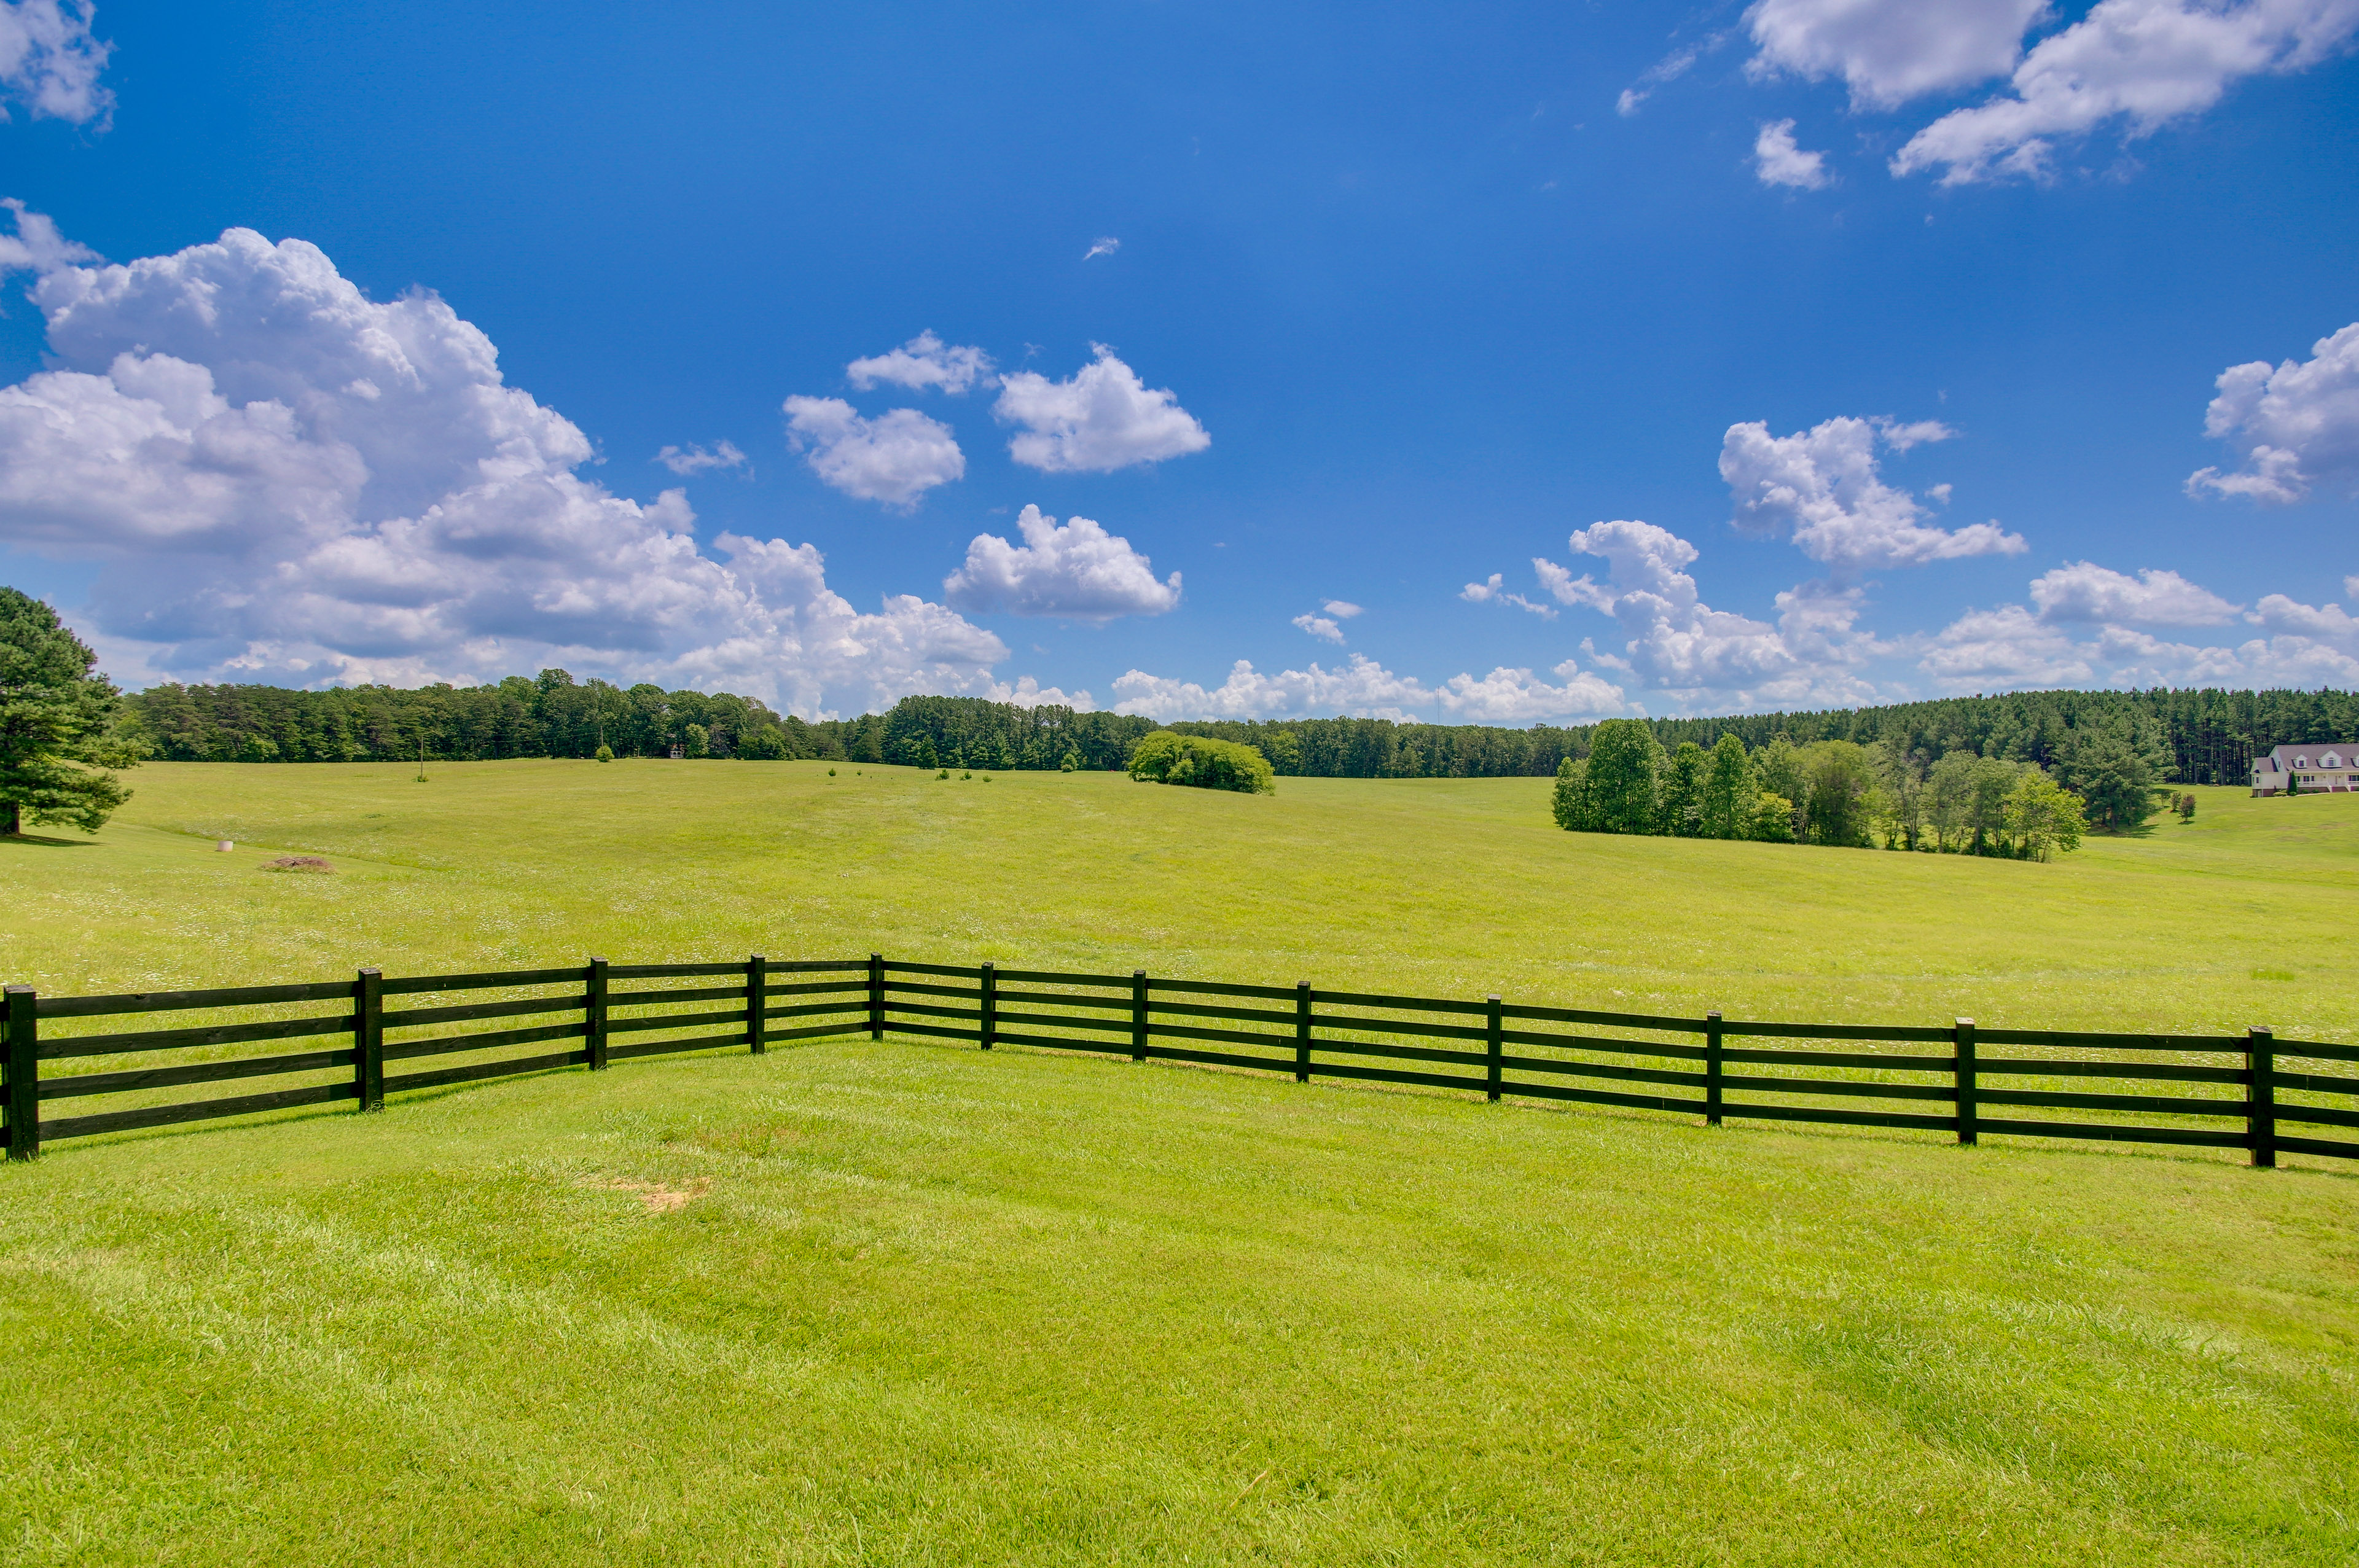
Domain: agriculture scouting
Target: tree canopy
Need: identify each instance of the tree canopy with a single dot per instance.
(1164, 757)
(56, 724)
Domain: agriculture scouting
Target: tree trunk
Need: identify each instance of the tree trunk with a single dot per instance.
(10, 822)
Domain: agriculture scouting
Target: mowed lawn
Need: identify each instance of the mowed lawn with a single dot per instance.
(904, 1303)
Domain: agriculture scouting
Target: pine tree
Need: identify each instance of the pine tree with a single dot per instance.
(56, 720)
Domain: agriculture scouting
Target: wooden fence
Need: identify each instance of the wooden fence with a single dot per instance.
(2226, 1091)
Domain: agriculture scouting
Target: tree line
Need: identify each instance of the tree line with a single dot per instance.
(549, 715)
(2193, 737)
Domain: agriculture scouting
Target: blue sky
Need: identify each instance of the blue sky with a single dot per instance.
(1814, 351)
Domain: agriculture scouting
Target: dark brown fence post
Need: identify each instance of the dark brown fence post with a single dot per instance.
(1139, 1015)
(1495, 1029)
(757, 1001)
(594, 1013)
(990, 1005)
(1302, 1032)
(1711, 1068)
(23, 1085)
(1968, 1108)
(2261, 1097)
(876, 995)
(368, 1038)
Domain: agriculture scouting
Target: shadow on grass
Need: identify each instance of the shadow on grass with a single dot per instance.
(38, 841)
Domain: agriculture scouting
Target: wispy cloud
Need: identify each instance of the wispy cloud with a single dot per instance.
(685, 461)
(1104, 245)
(1491, 592)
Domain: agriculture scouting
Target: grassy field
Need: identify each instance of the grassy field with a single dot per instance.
(907, 1304)
(1437, 887)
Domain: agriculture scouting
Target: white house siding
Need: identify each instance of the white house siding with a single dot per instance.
(2328, 770)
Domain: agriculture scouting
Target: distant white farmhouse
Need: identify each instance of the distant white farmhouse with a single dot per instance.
(2327, 767)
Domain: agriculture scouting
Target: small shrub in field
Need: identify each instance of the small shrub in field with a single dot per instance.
(831, 773)
(1164, 757)
(943, 775)
(604, 753)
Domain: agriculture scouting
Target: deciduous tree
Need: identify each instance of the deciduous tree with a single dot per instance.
(1622, 776)
(1728, 795)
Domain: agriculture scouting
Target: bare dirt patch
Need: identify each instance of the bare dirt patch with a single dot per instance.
(297, 863)
(657, 1198)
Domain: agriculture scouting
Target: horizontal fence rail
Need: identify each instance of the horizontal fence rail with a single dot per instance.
(361, 1039)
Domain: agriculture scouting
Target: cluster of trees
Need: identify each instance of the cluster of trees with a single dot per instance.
(1835, 793)
(1164, 757)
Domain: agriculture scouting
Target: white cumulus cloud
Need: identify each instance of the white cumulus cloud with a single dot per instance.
(1330, 626)
(2088, 629)
(1102, 419)
(49, 62)
(1516, 696)
(1030, 693)
(1824, 484)
(2085, 591)
(1697, 654)
(2008, 647)
(2295, 425)
(1078, 571)
(284, 481)
(687, 460)
(1777, 160)
(894, 458)
(1325, 627)
(924, 360)
(1366, 689)
(2144, 62)
(1888, 52)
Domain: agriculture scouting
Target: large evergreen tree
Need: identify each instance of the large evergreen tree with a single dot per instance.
(2116, 768)
(55, 721)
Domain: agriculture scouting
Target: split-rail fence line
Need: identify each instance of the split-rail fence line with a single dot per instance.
(2235, 1091)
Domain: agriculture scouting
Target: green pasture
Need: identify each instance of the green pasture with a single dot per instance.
(1454, 888)
(904, 1303)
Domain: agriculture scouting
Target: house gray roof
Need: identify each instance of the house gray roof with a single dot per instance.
(2306, 757)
